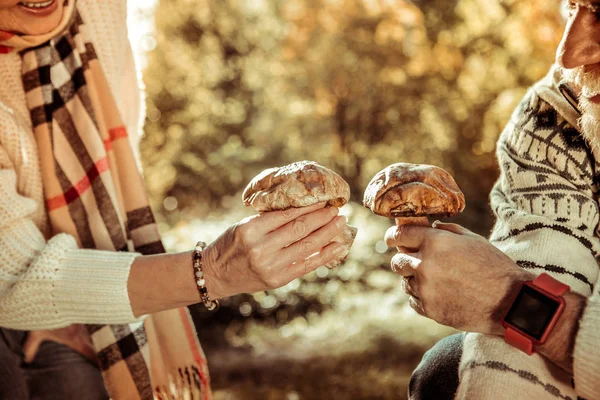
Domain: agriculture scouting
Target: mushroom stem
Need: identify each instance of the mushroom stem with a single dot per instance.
(420, 221)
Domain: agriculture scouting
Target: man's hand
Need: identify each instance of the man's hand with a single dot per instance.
(455, 276)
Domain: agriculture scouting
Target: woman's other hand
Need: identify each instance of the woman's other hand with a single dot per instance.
(75, 336)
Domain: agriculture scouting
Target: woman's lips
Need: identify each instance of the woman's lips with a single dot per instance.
(39, 11)
(594, 99)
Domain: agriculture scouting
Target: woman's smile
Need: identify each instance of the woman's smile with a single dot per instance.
(40, 9)
(32, 17)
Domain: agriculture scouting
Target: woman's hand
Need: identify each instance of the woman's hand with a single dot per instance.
(455, 276)
(262, 252)
(269, 250)
(75, 336)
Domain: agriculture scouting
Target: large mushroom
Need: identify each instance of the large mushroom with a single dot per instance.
(411, 193)
(301, 184)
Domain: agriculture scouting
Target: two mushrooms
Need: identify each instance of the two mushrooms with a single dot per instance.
(410, 193)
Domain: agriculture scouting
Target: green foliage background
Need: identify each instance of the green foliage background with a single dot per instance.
(237, 86)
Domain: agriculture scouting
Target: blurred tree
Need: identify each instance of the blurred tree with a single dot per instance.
(236, 86)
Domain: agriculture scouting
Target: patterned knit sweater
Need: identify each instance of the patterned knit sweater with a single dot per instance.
(546, 204)
(45, 280)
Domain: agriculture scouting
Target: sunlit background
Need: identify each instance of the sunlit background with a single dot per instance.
(236, 86)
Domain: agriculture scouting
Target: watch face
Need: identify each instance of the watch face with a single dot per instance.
(531, 312)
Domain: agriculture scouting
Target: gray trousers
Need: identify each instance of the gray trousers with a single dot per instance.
(436, 377)
(56, 373)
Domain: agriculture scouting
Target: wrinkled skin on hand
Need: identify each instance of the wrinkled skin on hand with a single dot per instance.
(455, 276)
(268, 250)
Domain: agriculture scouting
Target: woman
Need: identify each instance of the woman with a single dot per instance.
(78, 242)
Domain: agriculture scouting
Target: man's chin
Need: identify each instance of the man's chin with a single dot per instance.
(585, 80)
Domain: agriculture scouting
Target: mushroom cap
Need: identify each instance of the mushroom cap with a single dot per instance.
(413, 190)
(346, 238)
(300, 184)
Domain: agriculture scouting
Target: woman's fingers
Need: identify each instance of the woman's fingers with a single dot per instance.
(32, 345)
(405, 264)
(272, 220)
(244, 260)
(329, 253)
(299, 228)
(71, 336)
(312, 243)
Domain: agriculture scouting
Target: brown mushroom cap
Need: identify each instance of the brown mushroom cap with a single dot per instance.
(413, 190)
(300, 184)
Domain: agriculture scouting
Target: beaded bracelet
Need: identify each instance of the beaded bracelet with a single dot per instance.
(200, 282)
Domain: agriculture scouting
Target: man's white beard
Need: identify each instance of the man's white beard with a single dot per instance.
(589, 122)
(587, 82)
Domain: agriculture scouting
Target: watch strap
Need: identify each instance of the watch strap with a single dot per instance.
(550, 285)
(516, 339)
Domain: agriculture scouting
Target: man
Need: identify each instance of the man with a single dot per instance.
(546, 204)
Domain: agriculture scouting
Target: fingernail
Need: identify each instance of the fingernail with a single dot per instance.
(334, 211)
(340, 221)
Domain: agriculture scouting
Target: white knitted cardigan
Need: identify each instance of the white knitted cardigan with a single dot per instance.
(546, 204)
(45, 280)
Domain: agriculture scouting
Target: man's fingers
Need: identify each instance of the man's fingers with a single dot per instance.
(409, 284)
(408, 236)
(312, 243)
(405, 264)
(271, 220)
(454, 228)
(329, 253)
(415, 304)
(406, 250)
(300, 228)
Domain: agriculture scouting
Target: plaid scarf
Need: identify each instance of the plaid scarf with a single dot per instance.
(95, 192)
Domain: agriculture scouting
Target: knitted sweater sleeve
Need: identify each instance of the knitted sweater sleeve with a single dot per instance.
(587, 352)
(547, 216)
(50, 284)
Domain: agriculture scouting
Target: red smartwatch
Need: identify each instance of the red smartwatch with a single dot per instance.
(534, 312)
